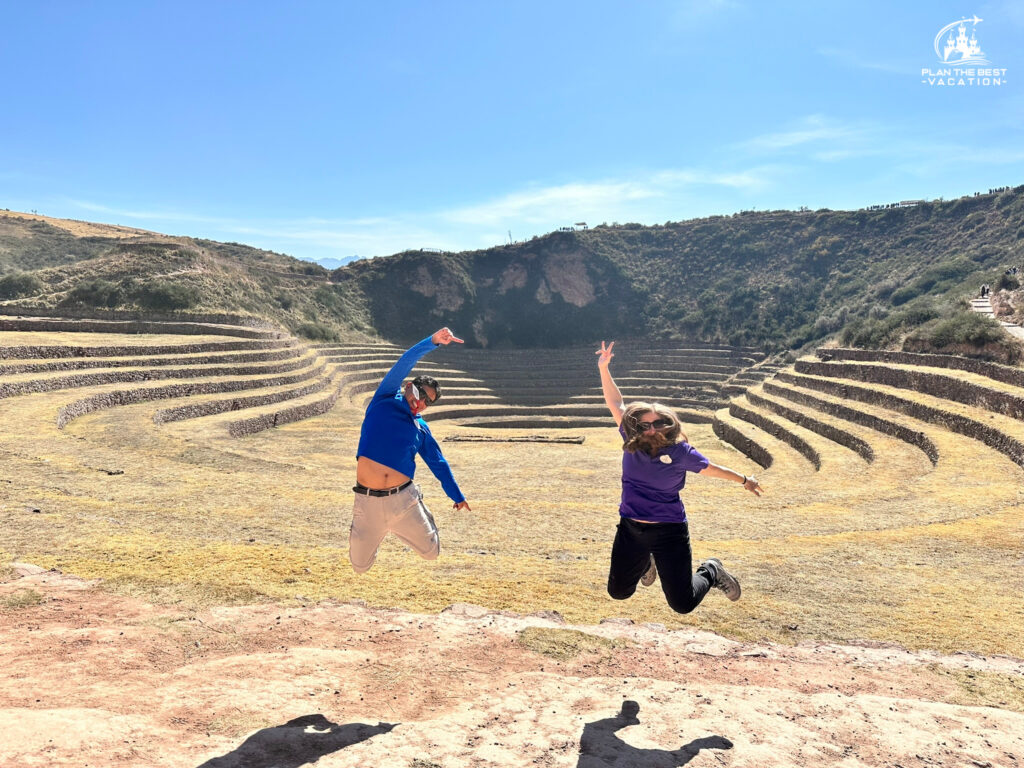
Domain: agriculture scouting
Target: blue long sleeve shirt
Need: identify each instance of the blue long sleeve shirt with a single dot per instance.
(392, 436)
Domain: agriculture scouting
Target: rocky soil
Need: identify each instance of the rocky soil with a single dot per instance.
(93, 678)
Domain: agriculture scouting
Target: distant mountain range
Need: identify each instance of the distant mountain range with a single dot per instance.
(335, 263)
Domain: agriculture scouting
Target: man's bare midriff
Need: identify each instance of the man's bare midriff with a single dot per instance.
(373, 474)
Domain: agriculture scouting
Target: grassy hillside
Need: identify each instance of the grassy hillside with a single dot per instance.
(778, 279)
(44, 264)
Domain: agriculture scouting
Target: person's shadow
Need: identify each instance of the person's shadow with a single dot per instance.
(600, 747)
(301, 741)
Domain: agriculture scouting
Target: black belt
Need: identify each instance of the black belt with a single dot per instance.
(387, 492)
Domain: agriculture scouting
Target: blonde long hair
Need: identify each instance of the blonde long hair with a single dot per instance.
(631, 425)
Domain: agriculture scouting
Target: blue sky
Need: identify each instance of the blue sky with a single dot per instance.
(331, 129)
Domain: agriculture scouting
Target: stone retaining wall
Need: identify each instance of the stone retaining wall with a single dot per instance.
(98, 362)
(76, 381)
(540, 412)
(776, 430)
(211, 407)
(1004, 373)
(136, 326)
(72, 411)
(937, 385)
(885, 426)
(348, 384)
(45, 352)
(993, 438)
(745, 445)
(256, 424)
(829, 431)
(528, 423)
(573, 369)
(123, 314)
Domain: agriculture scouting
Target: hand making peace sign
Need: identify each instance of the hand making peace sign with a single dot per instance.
(606, 355)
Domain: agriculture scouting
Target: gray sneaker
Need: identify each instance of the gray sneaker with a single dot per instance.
(724, 580)
(650, 574)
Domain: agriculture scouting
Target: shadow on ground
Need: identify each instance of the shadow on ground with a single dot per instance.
(298, 742)
(600, 746)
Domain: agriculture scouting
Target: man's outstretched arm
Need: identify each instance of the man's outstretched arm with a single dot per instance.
(403, 366)
(431, 453)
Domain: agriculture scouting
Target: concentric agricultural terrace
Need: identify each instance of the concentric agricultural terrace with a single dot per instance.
(142, 453)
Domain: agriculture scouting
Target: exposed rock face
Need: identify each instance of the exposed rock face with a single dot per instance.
(514, 276)
(543, 294)
(567, 275)
(559, 295)
(446, 295)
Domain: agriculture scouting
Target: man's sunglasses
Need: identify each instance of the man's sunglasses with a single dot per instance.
(643, 426)
(416, 395)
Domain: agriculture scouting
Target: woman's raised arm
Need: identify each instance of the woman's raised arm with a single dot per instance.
(612, 395)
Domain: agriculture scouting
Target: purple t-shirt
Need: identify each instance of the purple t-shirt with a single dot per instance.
(651, 486)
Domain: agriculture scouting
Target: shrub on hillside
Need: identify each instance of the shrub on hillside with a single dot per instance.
(317, 332)
(20, 284)
(936, 278)
(878, 331)
(94, 293)
(966, 333)
(1007, 283)
(165, 295)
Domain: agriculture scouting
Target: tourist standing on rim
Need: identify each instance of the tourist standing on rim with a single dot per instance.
(653, 537)
(393, 433)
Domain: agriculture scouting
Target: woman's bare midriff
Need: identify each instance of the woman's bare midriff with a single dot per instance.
(373, 474)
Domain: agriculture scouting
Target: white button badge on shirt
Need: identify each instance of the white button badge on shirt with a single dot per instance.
(665, 458)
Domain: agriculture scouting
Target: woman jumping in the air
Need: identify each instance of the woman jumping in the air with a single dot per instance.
(653, 538)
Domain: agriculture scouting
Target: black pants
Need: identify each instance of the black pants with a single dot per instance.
(670, 544)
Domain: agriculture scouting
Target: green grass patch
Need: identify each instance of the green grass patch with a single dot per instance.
(23, 598)
(565, 643)
(985, 689)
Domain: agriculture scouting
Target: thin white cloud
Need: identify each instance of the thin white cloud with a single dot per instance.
(537, 205)
(813, 129)
(611, 200)
(661, 195)
(143, 215)
(373, 236)
(859, 61)
(753, 178)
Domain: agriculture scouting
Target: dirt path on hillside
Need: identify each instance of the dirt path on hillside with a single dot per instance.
(97, 679)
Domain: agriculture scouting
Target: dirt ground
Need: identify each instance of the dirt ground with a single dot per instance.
(93, 678)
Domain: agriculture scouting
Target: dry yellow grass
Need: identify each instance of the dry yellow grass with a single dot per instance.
(896, 551)
(82, 228)
(60, 338)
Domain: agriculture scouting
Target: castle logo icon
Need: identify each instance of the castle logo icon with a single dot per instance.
(962, 63)
(959, 49)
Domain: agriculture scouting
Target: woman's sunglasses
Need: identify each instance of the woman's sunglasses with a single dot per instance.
(643, 426)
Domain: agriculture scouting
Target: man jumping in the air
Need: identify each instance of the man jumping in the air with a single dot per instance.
(393, 433)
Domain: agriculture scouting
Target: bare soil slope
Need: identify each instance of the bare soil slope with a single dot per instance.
(96, 679)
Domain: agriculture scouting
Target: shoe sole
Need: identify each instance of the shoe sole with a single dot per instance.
(726, 581)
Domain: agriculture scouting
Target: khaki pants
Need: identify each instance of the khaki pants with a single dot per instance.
(403, 514)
